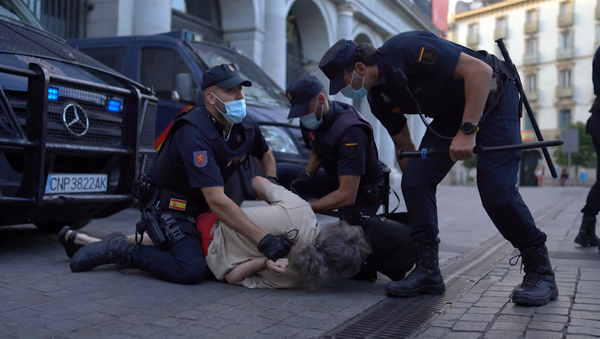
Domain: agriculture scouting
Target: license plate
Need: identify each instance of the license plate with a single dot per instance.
(76, 183)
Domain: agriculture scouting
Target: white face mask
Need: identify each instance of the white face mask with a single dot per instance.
(350, 92)
(310, 120)
(235, 110)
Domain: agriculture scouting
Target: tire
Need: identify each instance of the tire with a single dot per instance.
(53, 227)
(235, 188)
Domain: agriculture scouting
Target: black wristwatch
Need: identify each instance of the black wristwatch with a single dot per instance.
(273, 179)
(468, 127)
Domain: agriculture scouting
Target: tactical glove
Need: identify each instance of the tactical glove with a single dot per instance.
(274, 247)
(300, 186)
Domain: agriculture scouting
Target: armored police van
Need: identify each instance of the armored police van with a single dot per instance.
(70, 142)
(172, 64)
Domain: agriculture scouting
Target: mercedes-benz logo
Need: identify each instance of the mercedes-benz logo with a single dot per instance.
(76, 120)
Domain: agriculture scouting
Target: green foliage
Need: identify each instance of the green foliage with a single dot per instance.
(470, 163)
(586, 157)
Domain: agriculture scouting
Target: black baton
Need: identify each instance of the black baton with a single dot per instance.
(430, 152)
(534, 124)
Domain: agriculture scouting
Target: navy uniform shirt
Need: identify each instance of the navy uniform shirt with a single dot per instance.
(429, 63)
(340, 163)
(189, 142)
(596, 81)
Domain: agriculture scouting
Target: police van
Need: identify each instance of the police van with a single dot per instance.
(71, 144)
(172, 64)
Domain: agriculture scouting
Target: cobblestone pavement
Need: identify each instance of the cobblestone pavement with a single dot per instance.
(41, 298)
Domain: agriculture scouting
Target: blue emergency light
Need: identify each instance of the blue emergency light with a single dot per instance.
(114, 106)
(52, 93)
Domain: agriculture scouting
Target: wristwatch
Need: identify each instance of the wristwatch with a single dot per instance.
(468, 127)
(273, 179)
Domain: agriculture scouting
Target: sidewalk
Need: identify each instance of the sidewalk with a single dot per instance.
(486, 311)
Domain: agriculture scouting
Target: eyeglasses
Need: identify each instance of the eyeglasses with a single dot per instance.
(291, 234)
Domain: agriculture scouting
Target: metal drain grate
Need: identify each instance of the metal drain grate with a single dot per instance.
(401, 317)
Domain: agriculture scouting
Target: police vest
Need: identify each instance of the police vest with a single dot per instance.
(326, 144)
(163, 173)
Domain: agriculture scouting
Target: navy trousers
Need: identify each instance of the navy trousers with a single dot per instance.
(592, 204)
(496, 177)
(320, 185)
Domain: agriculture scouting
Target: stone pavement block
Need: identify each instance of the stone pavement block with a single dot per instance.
(513, 318)
(509, 326)
(435, 332)
(463, 335)
(261, 336)
(31, 322)
(498, 334)
(551, 318)
(238, 299)
(144, 330)
(553, 310)
(585, 315)
(38, 333)
(309, 333)
(500, 288)
(282, 330)
(67, 325)
(442, 323)
(499, 294)
(546, 326)
(12, 305)
(171, 322)
(449, 316)
(234, 314)
(21, 313)
(258, 322)
(192, 330)
(216, 308)
(477, 317)
(138, 319)
(120, 336)
(461, 304)
(214, 322)
(586, 323)
(269, 301)
(587, 307)
(582, 330)
(482, 310)
(118, 311)
(489, 304)
(314, 315)
(513, 309)
(543, 335)
(469, 326)
(113, 326)
(456, 310)
(276, 314)
(470, 297)
(293, 308)
(87, 333)
(238, 330)
(192, 314)
(246, 307)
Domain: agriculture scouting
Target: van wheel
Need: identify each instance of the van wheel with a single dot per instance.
(53, 227)
(235, 188)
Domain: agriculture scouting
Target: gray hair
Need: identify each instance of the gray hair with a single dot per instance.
(339, 252)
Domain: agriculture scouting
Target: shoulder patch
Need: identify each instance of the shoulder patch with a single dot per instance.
(200, 159)
(427, 55)
(351, 149)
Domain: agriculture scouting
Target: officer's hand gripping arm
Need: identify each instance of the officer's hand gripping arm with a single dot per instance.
(232, 215)
(345, 195)
(313, 162)
(268, 165)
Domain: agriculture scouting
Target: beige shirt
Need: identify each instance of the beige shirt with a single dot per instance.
(285, 212)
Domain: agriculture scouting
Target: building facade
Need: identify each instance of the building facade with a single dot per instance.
(287, 38)
(552, 43)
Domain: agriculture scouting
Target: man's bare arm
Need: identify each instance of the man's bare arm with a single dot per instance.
(242, 271)
(268, 166)
(313, 162)
(477, 77)
(230, 213)
(402, 141)
(345, 195)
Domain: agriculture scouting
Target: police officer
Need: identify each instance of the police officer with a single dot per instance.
(416, 71)
(205, 146)
(587, 232)
(340, 141)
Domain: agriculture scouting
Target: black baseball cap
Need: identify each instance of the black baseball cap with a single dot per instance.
(223, 75)
(335, 60)
(301, 92)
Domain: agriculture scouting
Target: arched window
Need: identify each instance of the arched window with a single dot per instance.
(207, 10)
(295, 56)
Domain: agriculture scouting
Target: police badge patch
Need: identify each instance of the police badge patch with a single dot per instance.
(200, 159)
(352, 150)
(427, 55)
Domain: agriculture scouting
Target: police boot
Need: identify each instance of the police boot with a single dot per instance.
(538, 286)
(113, 249)
(425, 278)
(587, 232)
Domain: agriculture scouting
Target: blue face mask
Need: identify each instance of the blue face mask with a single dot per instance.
(235, 110)
(350, 92)
(310, 120)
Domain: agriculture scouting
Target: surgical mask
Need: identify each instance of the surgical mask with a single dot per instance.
(350, 92)
(235, 110)
(310, 120)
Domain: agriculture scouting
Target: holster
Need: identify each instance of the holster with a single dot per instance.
(502, 74)
(374, 192)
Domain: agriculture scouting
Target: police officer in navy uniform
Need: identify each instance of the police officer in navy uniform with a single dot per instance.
(344, 173)
(587, 231)
(454, 85)
(340, 141)
(205, 146)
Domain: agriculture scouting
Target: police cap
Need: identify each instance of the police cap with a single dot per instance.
(301, 92)
(223, 75)
(335, 60)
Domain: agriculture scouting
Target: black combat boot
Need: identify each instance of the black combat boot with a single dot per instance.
(587, 232)
(113, 249)
(425, 278)
(538, 286)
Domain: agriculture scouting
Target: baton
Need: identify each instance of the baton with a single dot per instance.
(429, 152)
(534, 124)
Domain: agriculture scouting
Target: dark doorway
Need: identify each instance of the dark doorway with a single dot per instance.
(295, 56)
(529, 162)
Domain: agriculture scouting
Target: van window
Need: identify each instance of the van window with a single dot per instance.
(111, 57)
(159, 69)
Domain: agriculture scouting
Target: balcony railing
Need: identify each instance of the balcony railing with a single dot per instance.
(472, 40)
(564, 53)
(500, 33)
(564, 92)
(532, 95)
(566, 19)
(531, 27)
(531, 59)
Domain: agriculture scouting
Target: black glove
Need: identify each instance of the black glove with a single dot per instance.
(273, 179)
(300, 185)
(274, 247)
